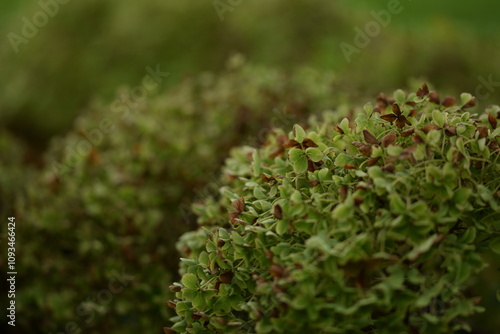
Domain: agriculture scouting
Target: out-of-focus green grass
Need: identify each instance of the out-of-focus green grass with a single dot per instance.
(91, 48)
(479, 17)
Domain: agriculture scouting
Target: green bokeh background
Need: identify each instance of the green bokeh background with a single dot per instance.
(92, 49)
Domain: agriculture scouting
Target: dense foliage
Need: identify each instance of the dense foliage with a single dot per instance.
(12, 172)
(371, 224)
(115, 192)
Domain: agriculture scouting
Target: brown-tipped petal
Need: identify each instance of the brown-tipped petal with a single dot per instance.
(407, 132)
(449, 101)
(343, 192)
(309, 143)
(492, 120)
(278, 212)
(369, 138)
(233, 216)
(493, 145)
(376, 109)
(451, 131)
(457, 157)
(372, 162)
(265, 178)
(358, 201)
(366, 150)
(276, 270)
(388, 139)
(396, 110)
(471, 103)
(407, 122)
(421, 92)
(389, 117)
(311, 166)
(483, 131)
(175, 288)
(412, 113)
(338, 129)
(429, 127)
(417, 139)
(400, 123)
(434, 97)
(389, 168)
(226, 277)
(313, 183)
(170, 304)
(239, 204)
(349, 166)
(291, 143)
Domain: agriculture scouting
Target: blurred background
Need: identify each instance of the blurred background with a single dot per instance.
(99, 163)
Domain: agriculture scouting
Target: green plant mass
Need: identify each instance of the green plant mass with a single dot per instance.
(115, 192)
(368, 221)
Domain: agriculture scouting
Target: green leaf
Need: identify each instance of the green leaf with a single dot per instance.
(422, 248)
(434, 138)
(256, 164)
(495, 245)
(203, 258)
(465, 98)
(343, 159)
(344, 125)
(469, 236)
(368, 108)
(298, 160)
(461, 195)
(190, 281)
(397, 205)
(400, 97)
(314, 154)
(223, 234)
(299, 133)
(322, 174)
(199, 301)
(394, 150)
(343, 211)
(223, 304)
(281, 226)
(438, 117)
(296, 197)
(237, 238)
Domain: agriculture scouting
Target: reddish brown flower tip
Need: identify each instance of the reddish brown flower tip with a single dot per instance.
(278, 212)
(449, 101)
(421, 92)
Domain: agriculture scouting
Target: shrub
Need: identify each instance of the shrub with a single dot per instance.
(108, 198)
(12, 172)
(373, 224)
